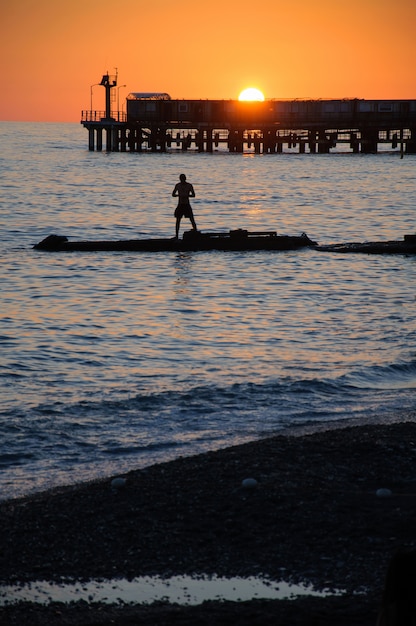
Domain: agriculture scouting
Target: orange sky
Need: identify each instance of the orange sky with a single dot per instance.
(52, 51)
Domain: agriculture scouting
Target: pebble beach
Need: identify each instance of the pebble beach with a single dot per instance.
(329, 508)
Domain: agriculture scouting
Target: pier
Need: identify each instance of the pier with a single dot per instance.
(154, 122)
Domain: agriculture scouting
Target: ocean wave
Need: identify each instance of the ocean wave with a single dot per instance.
(212, 399)
(52, 443)
(393, 376)
(273, 401)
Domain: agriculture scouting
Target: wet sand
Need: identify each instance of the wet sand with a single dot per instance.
(315, 515)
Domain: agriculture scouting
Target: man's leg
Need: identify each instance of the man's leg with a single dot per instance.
(191, 217)
(178, 223)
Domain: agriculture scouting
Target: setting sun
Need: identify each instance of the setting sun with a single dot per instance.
(251, 93)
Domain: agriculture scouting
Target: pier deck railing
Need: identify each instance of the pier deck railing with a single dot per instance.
(99, 116)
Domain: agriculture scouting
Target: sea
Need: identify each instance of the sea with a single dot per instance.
(112, 361)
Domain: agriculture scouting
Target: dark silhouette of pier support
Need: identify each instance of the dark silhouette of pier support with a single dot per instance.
(118, 136)
(369, 141)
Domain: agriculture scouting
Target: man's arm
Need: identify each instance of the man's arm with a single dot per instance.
(191, 191)
(175, 191)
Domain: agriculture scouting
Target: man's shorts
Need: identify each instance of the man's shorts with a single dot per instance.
(183, 210)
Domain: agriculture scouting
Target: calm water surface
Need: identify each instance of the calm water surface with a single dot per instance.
(111, 361)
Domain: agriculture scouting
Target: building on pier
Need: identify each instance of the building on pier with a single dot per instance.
(157, 123)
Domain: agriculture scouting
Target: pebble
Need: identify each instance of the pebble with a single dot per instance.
(249, 483)
(118, 483)
(384, 493)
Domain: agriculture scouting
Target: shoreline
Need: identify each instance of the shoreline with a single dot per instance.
(314, 515)
(295, 430)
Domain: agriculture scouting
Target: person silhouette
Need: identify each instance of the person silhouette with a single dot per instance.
(183, 191)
